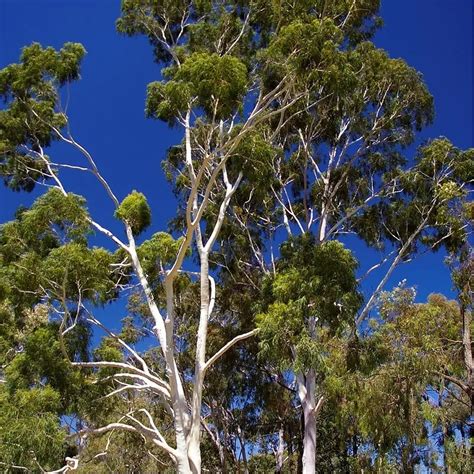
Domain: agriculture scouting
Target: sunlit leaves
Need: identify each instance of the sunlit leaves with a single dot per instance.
(134, 210)
(30, 431)
(30, 90)
(215, 83)
(313, 296)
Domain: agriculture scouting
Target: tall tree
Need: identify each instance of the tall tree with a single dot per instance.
(292, 121)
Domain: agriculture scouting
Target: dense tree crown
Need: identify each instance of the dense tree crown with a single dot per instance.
(250, 343)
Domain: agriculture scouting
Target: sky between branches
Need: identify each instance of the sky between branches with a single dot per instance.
(106, 107)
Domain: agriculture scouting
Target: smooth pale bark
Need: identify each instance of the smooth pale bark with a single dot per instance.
(280, 449)
(467, 344)
(307, 390)
(469, 364)
(194, 450)
(307, 395)
(164, 331)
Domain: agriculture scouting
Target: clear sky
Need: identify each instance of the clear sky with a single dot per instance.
(106, 107)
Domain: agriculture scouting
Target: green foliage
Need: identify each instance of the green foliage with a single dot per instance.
(74, 270)
(45, 251)
(126, 453)
(134, 210)
(43, 359)
(30, 431)
(215, 83)
(338, 91)
(109, 350)
(381, 395)
(52, 220)
(313, 295)
(30, 92)
(215, 24)
(159, 251)
(300, 47)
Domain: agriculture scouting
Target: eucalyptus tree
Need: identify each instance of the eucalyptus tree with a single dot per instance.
(33, 118)
(338, 168)
(326, 160)
(291, 119)
(424, 406)
(198, 42)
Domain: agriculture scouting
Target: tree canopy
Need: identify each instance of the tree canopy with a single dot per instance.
(249, 343)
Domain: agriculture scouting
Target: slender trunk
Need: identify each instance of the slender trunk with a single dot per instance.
(307, 395)
(180, 408)
(307, 391)
(309, 439)
(221, 451)
(444, 429)
(194, 449)
(280, 450)
(300, 447)
(323, 225)
(164, 332)
(468, 360)
(180, 422)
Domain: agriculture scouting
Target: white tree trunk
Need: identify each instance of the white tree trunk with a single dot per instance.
(194, 449)
(280, 449)
(307, 395)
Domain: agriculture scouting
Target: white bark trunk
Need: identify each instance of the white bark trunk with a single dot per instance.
(194, 450)
(280, 449)
(307, 395)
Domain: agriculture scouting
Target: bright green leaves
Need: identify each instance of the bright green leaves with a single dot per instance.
(217, 84)
(38, 400)
(30, 430)
(300, 48)
(76, 271)
(159, 251)
(42, 360)
(313, 296)
(109, 350)
(44, 251)
(134, 210)
(326, 280)
(165, 101)
(62, 215)
(440, 154)
(40, 68)
(53, 219)
(30, 91)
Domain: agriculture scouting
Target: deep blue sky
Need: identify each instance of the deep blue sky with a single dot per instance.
(107, 106)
